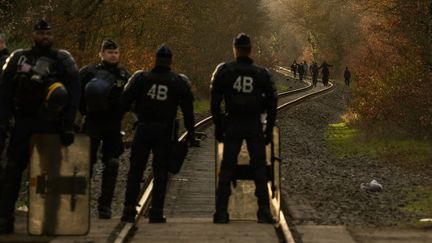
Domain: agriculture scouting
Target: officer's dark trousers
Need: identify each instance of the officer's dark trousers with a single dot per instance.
(236, 131)
(325, 79)
(112, 147)
(314, 79)
(153, 137)
(18, 154)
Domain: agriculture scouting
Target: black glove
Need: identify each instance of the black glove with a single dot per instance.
(219, 134)
(268, 135)
(193, 141)
(67, 138)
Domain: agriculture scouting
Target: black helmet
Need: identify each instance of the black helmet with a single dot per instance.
(41, 24)
(96, 94)
(242, 40)
(56, 98)
(109, 44)
(164, 52)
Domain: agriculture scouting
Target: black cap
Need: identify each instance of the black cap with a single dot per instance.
(41, 24)
(164, 52)
(242, 40)
(109, 44)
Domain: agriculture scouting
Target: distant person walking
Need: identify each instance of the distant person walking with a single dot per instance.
(294, 68)
(301, 71)
(314, 73)
(325, 72)
(347, 76)
(305, 68)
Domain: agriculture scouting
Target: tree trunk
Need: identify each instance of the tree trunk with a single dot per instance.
(430, 36)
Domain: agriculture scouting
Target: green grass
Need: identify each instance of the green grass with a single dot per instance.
(281, 87)
(202, 106)
(345, 141)
(419, 200)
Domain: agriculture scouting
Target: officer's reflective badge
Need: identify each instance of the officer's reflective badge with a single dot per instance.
(59, 186)
(243, 202)
(119, 83)
(123, 73)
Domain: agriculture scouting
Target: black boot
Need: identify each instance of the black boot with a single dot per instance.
(104, 212)
(221, 217)
(265, 217)
(156, 216)
(129, 214)
(109, 177)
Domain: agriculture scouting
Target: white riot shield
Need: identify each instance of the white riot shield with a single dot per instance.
(59, 186)
(243, 202)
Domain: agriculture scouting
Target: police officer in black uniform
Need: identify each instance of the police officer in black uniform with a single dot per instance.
(157, 95)
(247, 91)
(102, 85)
(4, 53)
(39, 88)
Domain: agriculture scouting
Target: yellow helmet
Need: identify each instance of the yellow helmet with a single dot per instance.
(56, 98)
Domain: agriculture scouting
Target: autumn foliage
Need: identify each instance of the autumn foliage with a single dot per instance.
(393, 70)
(386, 43)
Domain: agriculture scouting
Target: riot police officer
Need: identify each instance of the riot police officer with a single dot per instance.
(247, 91)
(4, 53)
(39, 88)
(102, 85)
(157, 95)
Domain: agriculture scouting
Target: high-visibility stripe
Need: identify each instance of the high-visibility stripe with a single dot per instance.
(51, 89)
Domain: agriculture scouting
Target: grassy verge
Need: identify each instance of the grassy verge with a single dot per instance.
(345, 141)
(419, 201)
(409, 154)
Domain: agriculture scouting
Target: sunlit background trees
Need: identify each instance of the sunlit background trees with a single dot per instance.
(386, 43)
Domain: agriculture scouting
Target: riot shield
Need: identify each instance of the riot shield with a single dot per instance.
(243, 202)
(59, 186)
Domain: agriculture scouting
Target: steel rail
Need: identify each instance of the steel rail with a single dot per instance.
(126, 229)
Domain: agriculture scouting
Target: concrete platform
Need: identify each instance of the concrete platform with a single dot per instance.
(183, 230)
(324, 234)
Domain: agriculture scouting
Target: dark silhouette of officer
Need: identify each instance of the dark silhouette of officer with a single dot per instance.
(156, 95)
(4, 53)
(39, 88)
(347, 76)
(247, 91)
(102, 86)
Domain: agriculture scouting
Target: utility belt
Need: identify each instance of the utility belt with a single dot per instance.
(243, 117)
(155, 123)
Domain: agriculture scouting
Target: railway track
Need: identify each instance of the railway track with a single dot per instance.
(189, 201)
(125, 231)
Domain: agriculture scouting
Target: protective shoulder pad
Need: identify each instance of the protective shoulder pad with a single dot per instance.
(139, 74)
(66, 58)
(219, 68)
(184, 79)
(13, 58)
